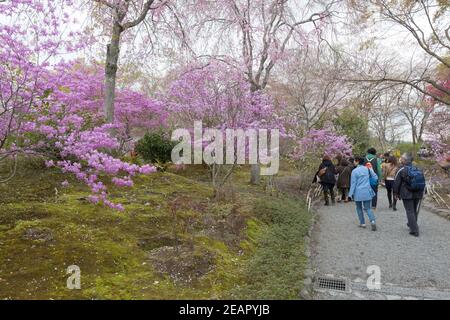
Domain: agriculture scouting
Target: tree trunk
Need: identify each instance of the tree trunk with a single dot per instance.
(255, 174)
(112, 58)
(414, 136)
(255, 170)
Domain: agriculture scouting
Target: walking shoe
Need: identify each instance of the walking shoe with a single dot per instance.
(390, 206)
(394, 208)
(362, 225)
(415, 234)
(374, 226)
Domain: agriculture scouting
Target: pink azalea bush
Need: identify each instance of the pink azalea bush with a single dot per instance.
(319, 142)
(68, 123)
(55, 110)
(220, 97)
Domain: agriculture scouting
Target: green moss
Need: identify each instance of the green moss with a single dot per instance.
(44, 230)
(275, 270)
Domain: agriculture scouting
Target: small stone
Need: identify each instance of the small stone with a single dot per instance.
(307, 281)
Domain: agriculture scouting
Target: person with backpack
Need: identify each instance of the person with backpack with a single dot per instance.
(362, 192)
(326, 176)
(372, 162)
(343, 181)
(389, 169)
(409, 186)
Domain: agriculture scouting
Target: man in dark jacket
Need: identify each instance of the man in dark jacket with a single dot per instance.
(411, 199)
(327, 176)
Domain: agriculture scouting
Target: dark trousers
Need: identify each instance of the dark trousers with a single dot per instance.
(412, 212)
(328, 190)
(344, 193)
(375, 198)
(389, 186)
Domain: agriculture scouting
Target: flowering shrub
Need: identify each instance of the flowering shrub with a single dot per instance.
(221, 98)
(319, 142)
(68, 121)
(438, 134)
(55, 111)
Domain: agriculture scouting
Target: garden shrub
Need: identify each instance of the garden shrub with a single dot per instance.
(155, 147)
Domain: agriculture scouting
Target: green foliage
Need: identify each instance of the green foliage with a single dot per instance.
(408, 147)
(275, 271)
(352, 123)
(155, 147)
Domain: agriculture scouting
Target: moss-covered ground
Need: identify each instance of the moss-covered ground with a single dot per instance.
(173, 241)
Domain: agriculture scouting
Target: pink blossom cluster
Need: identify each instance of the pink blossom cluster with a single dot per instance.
(319, 142)
(437, 133)
(220, 97)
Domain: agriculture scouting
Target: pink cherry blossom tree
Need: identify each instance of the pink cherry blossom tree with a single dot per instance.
(133, 28)
(261, 32)
(437, 131)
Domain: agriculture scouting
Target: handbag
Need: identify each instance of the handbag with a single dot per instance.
(372, 180)
(322, 171)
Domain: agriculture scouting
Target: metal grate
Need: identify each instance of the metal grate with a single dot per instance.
(327, 283)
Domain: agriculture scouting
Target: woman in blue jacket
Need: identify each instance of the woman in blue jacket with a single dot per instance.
(361, 191)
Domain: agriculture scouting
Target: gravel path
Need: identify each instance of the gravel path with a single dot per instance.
(340, 248)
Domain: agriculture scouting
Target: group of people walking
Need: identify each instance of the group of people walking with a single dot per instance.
(357, 179)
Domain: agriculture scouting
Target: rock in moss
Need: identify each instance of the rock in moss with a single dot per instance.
(39, 234)
(181, 263)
